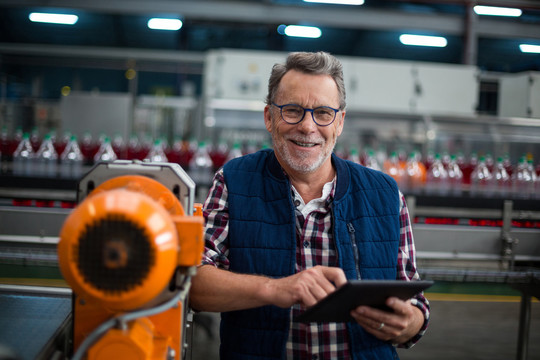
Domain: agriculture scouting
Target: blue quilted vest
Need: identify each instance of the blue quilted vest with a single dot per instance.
(262, 240)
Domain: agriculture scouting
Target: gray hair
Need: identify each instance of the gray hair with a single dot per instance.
(319, 63)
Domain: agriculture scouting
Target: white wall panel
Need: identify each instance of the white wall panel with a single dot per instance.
(243, 75)
(97, 113)
(373, 85)
(378, 85)
(445, 89)
(519, 95)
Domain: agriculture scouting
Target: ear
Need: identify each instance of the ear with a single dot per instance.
(268, 118)
(340, 123)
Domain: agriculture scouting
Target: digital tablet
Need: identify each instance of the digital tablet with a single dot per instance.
(337, 306)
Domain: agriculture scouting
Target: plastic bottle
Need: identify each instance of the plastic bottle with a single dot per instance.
(23, 157)
(502, 182)
(156, 153)
(87, 148)
(481, 180)
(119, 147)
(445, 159)
(537, 185)
(393, 168)
(532, 185)
(415, 172)
(437, 178)
(469, 168)
(507, 162)
(455, 176)
(251, 147)
(200, 166)
(235, 152)
(188, 150)
(381, 156)
(354, 156)
(105, 152)
(521, 179)
(429, 159)
(173, 152)
(34, 139)
(219, 154)
(46, 158)
(340, 152)
(134, 149)
(6, 155)
(61, 142)
(371, 161)
(71, 160)
(17, 138)
(490, 162)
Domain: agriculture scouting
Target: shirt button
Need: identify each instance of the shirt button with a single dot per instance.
(306, 244)
(296, 203)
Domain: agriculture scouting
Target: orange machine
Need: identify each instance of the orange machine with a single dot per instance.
(128, 251)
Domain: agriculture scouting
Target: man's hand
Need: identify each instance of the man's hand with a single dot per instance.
(398, 326)
(306, 287)
(217, 290)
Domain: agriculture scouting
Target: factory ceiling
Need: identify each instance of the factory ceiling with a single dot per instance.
(115, 30)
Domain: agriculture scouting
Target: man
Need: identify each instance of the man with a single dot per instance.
(287, 227)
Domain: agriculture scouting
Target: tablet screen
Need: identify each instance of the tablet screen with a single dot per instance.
(336, 307)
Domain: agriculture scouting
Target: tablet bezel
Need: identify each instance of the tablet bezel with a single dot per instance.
(336, 307)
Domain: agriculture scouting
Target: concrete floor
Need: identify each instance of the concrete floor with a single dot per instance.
(471, 330)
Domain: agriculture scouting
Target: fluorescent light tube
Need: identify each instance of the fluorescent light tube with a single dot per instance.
(423, 40)
(303, 31)
(164, 24)
(529, 48)
(65, 19)
(337, 2)
(497, 11)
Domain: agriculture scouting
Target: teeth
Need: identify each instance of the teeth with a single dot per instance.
(304, 144)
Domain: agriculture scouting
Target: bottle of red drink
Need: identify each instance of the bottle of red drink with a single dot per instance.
(89, 148)
(60, 142)
(219, 154)
(119, 147)
(173, 152)
(469, 168)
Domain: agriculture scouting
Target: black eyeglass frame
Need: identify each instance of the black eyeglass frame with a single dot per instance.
(304, 114)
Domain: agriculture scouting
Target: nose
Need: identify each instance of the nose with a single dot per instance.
(308, 122)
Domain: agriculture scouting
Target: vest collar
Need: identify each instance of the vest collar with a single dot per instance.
(342, 172)
(343, 176)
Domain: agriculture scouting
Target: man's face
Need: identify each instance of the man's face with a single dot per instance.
(304, 147)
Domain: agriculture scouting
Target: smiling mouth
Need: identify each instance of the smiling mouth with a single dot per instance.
(303, 144)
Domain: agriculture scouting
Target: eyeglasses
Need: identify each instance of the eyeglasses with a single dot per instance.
(293, 114)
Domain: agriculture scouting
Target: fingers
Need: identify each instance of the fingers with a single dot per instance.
(317, 282)
(384, 325)
(314, 284)
(335, 275)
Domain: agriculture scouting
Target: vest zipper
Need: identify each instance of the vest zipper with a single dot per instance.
(352, 236)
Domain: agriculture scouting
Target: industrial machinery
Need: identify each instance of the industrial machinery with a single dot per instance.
(128, 251)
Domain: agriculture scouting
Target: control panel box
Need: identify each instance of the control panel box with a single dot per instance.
(519, 95)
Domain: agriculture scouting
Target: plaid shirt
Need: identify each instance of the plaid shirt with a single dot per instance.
(314, 240)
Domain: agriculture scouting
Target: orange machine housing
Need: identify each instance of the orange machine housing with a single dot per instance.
(123, 249)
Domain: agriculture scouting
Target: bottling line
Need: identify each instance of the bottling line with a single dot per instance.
(459, 238)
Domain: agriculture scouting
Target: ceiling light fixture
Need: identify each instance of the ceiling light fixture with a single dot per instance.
(64, 19)
(423, 40)
(302, 31)
(164, 24)
(337, 2)
(529, 48)
(497, 11)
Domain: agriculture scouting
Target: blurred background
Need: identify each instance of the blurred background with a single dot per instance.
(442, 95)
